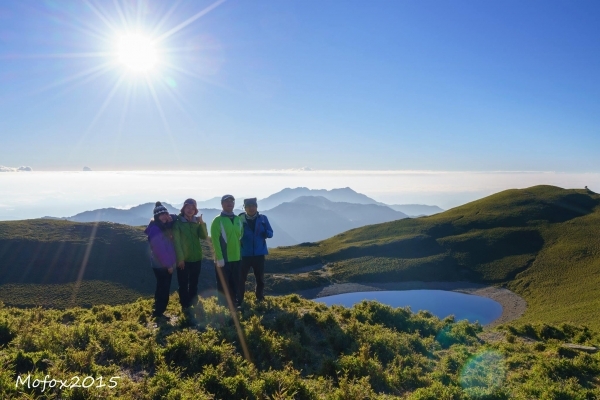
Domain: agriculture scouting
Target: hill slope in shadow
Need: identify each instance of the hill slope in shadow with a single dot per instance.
(80, 263)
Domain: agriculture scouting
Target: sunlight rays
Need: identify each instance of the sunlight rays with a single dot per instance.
(56, 55)
(101, 16)
(133, 45)
(86, 257)
(164, 121)
(120, 12)
(102, 67)
(109, 97)
(190, 20)
(127, 102)
(164, 19)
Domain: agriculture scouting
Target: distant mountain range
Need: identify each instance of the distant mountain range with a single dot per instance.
(345, 195)
(314, 218)
(136, 216)
(297, 215)
(416, 210)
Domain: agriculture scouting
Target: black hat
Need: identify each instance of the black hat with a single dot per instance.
(250, 202)
(159, 209)
(227, 197)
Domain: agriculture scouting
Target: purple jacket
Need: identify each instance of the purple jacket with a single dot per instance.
(161, 244)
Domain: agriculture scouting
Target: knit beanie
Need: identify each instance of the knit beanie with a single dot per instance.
(159, 209)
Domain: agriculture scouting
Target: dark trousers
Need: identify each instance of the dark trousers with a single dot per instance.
(228, 278)
(188, 283)
(163, 287)
(257, 263)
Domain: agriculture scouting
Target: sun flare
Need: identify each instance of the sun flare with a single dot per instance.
(137, 52)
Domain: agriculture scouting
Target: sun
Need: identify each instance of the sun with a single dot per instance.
(137, 52)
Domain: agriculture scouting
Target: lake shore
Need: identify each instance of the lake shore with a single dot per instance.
(513, 305)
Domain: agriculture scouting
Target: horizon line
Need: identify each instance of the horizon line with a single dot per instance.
(300, 170)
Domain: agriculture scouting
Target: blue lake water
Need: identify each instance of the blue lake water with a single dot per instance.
(440, 303)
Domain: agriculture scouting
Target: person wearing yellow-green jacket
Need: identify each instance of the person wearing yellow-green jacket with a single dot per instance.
(187, 232)
(225, 232)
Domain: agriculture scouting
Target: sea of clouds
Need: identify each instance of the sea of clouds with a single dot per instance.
(36, 194)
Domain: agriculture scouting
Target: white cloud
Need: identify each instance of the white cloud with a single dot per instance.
(61, 194)
(19, 169)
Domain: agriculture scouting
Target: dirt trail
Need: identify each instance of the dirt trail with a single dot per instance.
(513, 305)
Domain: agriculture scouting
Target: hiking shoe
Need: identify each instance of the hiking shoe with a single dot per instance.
(160, 318)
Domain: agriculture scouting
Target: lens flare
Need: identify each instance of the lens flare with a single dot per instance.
(483, 373)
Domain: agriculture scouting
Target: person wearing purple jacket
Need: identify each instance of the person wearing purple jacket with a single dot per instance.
(164, 259)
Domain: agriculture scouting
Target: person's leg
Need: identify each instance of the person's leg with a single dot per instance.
(237, 282)
(161, 294)
(183, 281)
(222, 275)
(194, 272)
(258, 266)
(246, 263)
(232, 281)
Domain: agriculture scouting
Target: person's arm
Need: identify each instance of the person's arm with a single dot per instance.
(268, 229)
(177, 239)
(158, 246)
(202, 232)
(215, 233)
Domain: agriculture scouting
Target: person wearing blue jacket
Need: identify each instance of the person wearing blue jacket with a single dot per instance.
(254, 247)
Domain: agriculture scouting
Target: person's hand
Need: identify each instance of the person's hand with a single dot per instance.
(170, 270)
(181, 264)
(220, 263)
(200, 220)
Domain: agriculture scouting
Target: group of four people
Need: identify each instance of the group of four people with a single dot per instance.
(239, 244)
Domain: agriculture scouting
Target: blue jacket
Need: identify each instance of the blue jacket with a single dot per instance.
(255, 243)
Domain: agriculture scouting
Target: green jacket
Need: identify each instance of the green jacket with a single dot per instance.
(225, 236)
(187, 237)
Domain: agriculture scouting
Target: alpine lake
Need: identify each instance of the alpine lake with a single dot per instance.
(440, 303)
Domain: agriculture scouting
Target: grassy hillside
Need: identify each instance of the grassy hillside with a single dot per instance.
(541, 242)
(41, 262)
(287, 348)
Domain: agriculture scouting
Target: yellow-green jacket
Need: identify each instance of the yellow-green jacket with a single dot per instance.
(225, 235)
(187, 237)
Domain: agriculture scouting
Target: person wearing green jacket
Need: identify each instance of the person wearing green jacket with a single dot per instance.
(225, 232)
(188, 230)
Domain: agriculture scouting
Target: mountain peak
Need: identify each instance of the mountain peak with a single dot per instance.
(345, 195)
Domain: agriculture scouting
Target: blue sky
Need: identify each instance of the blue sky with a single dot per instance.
(378, 85)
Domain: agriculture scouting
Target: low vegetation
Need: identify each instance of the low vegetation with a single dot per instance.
(287, 348)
